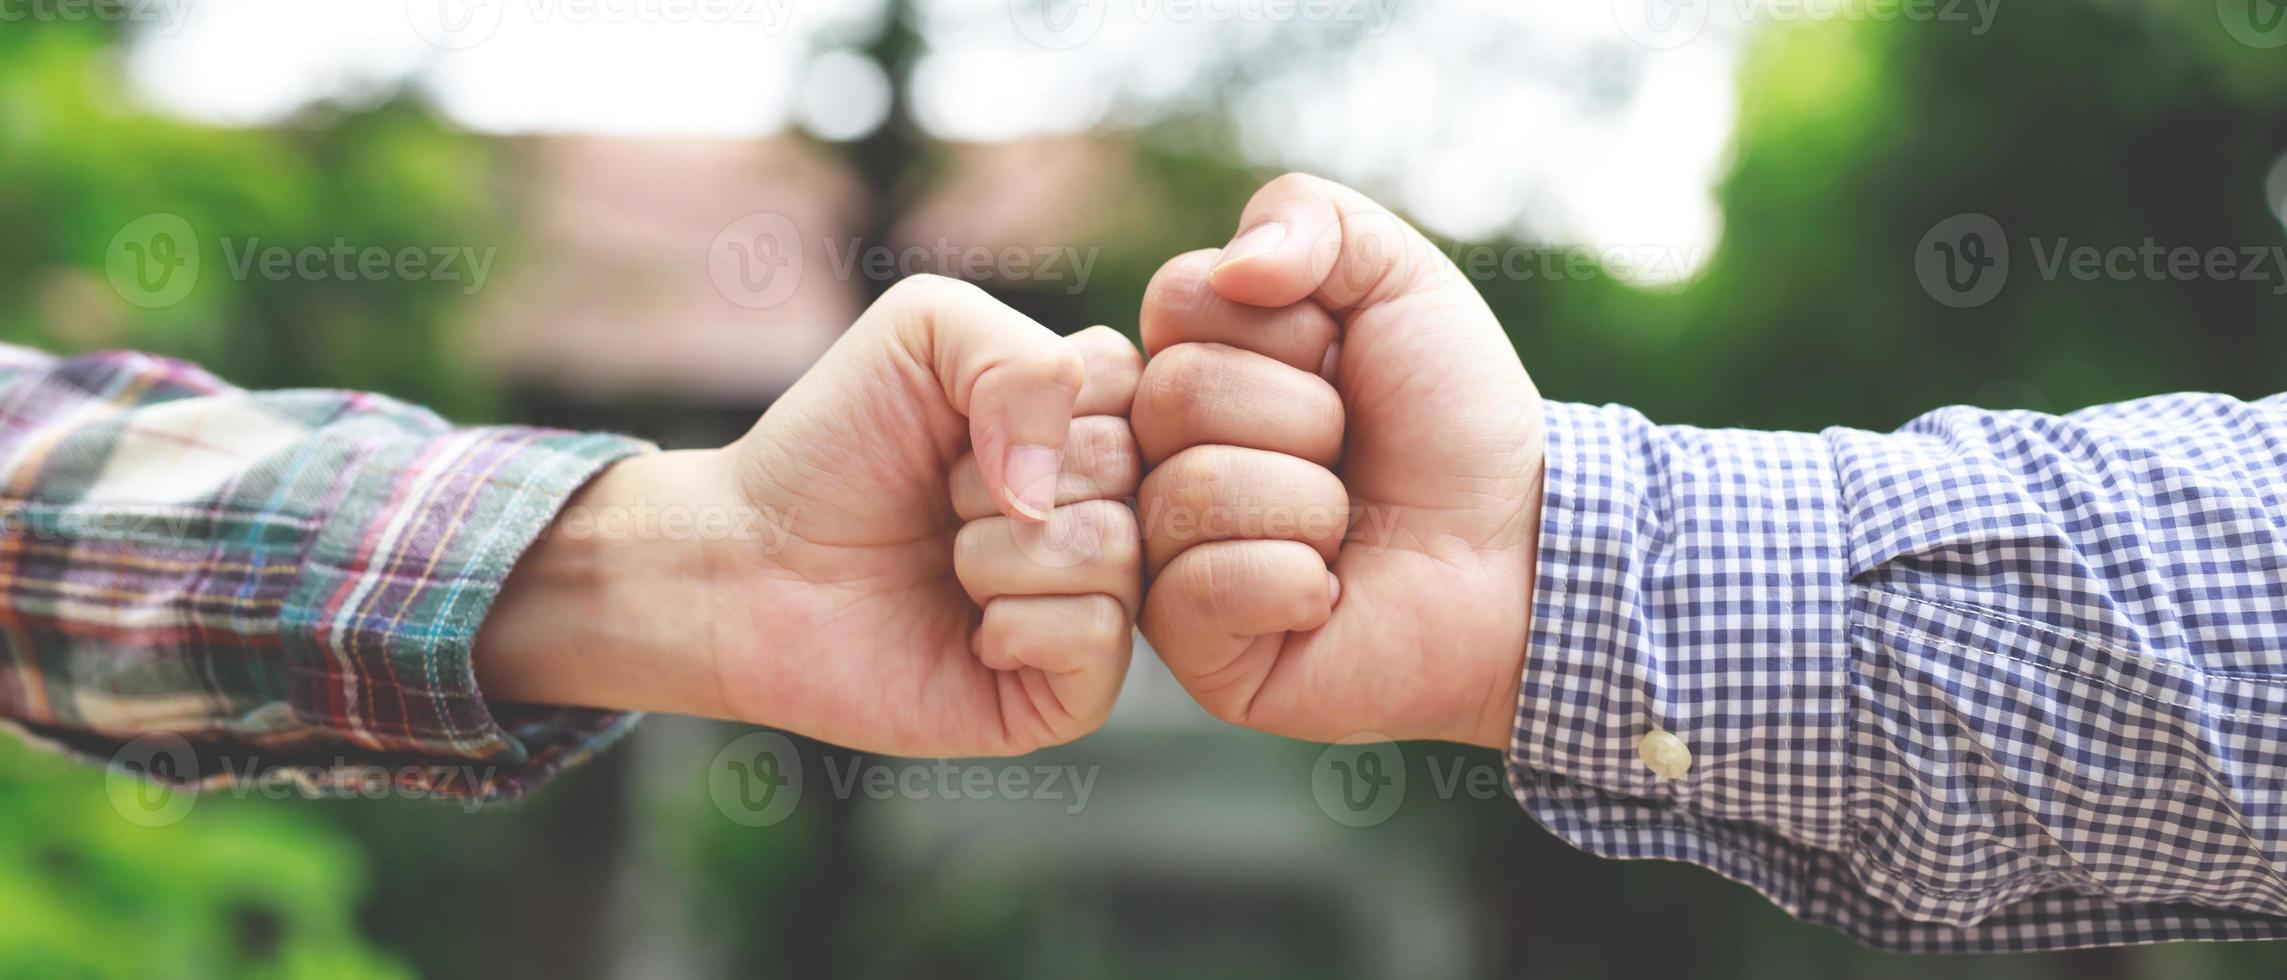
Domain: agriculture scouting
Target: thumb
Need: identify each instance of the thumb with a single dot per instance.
(1015, 380)
(1304, 237)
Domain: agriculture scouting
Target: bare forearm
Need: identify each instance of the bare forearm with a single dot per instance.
(600, 612)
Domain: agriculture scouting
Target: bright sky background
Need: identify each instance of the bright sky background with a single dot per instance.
(1545, 121)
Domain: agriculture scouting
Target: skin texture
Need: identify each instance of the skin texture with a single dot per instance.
(894, 585)
(1331, 360)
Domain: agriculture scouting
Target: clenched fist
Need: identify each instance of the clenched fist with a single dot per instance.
(1343, 498)
(952, 567)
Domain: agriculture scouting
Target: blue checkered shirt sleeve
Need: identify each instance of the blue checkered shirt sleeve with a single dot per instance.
(1996, 681)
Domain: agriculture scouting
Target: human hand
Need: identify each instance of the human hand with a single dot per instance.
(918, 603)
(1327, 310)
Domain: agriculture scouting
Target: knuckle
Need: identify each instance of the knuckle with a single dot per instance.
(1111, 357)
(1292, 183)
(1128, 359)
(927, 287)
(1117, 536)
(1050, 363)
(1178, 375)
(1157, 402)
(1102, 622)
(1300, 604)
(1156, 498)
(1111, 347)
(1063, 365)
(975, 542)
(1180, 286)
(1196, 481)
(1104, 451)
(1206, 576)
(1025, 645)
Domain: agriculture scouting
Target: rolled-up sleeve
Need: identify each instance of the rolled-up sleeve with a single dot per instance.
(286, 584)
(1997, 681)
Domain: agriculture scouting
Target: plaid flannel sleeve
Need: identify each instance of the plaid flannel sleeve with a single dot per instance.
(285, 586)
(1998, 681)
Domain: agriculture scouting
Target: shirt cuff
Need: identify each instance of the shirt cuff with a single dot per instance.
(1690, 582)
(372, 670)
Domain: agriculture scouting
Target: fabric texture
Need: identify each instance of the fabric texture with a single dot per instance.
(290, 581)
(1998, 681)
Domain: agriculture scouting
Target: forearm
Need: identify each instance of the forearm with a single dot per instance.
(607, 609)
(277, 577)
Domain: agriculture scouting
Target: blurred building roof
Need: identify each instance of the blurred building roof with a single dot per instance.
(614, 291)
(627, 279)
(1051, 191)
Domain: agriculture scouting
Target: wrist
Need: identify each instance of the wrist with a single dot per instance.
(1496, 720)
(597, 612)
(1496, 716)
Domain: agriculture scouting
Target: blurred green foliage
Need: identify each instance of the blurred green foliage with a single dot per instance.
(2102, 123)
(78, 162)
(234, 890)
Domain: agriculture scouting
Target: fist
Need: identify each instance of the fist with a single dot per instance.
(958, 569)
(1343, 495)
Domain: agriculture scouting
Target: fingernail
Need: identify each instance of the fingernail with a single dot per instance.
(1258, 240)
(1031, 479)
(1333, 590)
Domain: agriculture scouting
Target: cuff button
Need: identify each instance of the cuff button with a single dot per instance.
(1664, 754)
